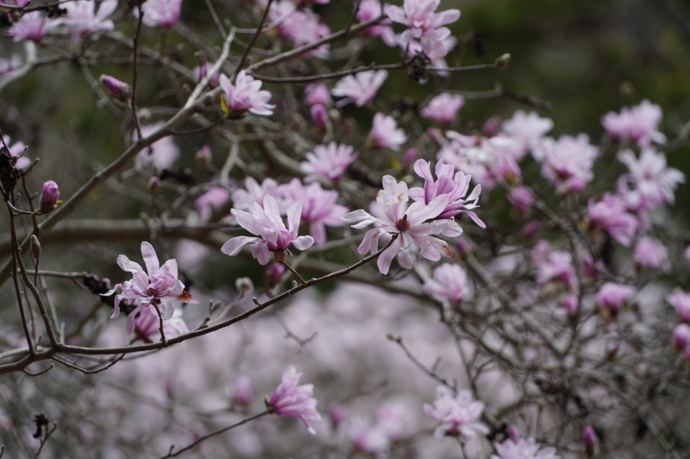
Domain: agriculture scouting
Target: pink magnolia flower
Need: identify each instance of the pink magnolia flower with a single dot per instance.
(15, 150)
(162, 153)
(613, 296)
(32, 26)
(201, 71)
(558, 267)
(423, 24)
(213, 199)
(317, 94)
(571, 303)
(292, 401)
(414, 226)
(637, 124)
(385, 133)
(319, 206)
(246, 95)
(567, 163)
(653, 180)
(161, 13)
(266, 222)
(681, 337)
(300, 26)
(649, 253)
(454, 184)
(243, 392)
(528, 129)
(521, 448)
(458, 415)
(244, 199)
(147, 324)
(449, 283)
(443, 108)
(49, 197)
(371, 9)
(681, 302)
(160, 286)
(82, 18)
(329, 161)
(360, 88)
(366, 436)
(610, 214)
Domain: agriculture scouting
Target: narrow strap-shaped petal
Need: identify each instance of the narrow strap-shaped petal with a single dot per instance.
(150, 258)
(234, 245)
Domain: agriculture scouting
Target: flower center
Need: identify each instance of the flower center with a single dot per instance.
(402, 224)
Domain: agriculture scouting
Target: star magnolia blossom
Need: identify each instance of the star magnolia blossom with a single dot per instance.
(319, 206)
(528, 129)
(32, 26)
(653, 180)
(366, 436)
(292, 401)
(160, 286)
(558, 267)
(637, 124)
(300, 26)
(681, 302)
(524, 449)
(443, 108)
(246, 95)
(611, 215)
(413, 225)
(267, 223)
(567, 163)
(385, 133)
(649, 253)
(423, 24)
(317, 94)
(82, 18)
(360, 88)
(458, 415)
(613, 296)
(244, 199)
(161, 13)
(371, 9)
(454, 184)
(449, 283)
(329, 161)
(15, 150)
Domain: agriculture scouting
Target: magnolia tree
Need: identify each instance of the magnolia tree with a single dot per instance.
(398, 284)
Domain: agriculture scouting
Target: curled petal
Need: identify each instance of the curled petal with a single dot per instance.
(234, 245)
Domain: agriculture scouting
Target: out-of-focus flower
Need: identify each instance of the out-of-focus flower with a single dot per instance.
(528, 129)
(385, 133)
(613, 296)
(337, 414)
(244, 199)
(117, 88)
(317, 94)
(366, 437)
(266, 222)
(162, 153)
(492, 126)
(160, 286)
(443, 108)
(524, 449)
(243, 391)
(330, 161)
(522, 199)
(147, 323)
(204, 157)
(319, 206)
(571, 304)
(214, 198)
(81, 17)
(424, 25)
(681, 302)
(558, 267)
(15, 150)
(649, 253)
(201, 71)
(454, 184)
(530, 229)
(610, 214)
(161, 13)
(371, 9)
(449, 283)
(292, 401)
(319, 113)
(32, 26)
(245, 95)
(360, 88)
(457, 415)
(50, 194)
(9, 66)
(567, 163)
(301, 26)
(653, 180)
(410, 156)
(589, 440)
(413, 225)
(680, 337)
(637, 124)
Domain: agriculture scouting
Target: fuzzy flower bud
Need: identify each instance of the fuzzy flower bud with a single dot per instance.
(154, 184)
(49, 197)
(244, 285)
(117, 88)
(204, 157)
(35, 247)
(681, 337)
(589, 438)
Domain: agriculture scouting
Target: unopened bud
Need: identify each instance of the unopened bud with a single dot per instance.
(319, 113)
(410, 156)
(204, 157)
(35, 247)
(243, 392)
(681, 337)
(492, 126)
(50, 195)
(117, 88)
(244, 285)
(503, 61)
(154, 184)
(337, 413)
(589, 438)
(513, 433)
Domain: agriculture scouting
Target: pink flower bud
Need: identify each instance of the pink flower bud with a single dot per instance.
(589, 438)
(154, 184)
(337, 413)
(49, 197)
(571, 304)
(410, 156)
(492, 126)
(681, 337)
(243, 392)
(513, 433)
(204, 157)
(117, 88)
(530, 229)
(522, 199)
(319, 113)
